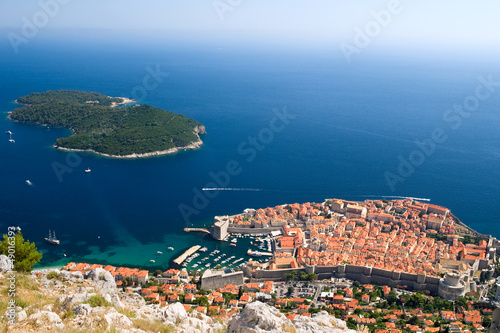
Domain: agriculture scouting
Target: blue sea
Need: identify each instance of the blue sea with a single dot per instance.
(284, 125)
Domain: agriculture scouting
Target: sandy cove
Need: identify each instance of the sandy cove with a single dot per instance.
(124, 101)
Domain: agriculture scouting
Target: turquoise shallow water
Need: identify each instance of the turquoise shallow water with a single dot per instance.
(350, 124)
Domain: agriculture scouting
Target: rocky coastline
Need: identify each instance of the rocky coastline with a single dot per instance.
(192, 146)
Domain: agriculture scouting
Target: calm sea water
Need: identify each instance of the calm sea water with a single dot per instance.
(350, 125)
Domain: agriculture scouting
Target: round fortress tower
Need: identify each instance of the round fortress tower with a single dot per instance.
(453, 286)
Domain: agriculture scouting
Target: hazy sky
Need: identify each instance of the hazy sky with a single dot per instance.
(454, 23)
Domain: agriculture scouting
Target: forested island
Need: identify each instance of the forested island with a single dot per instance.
(99, 126)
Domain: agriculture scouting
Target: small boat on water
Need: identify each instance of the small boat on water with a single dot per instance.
(203, 249)
(254, 253)
(170, 248)
(87, 170)
(234, 240)
(28, 182)
(159, 252)
(52, 238)
(232, 244)
(10, 137)
(152, 260)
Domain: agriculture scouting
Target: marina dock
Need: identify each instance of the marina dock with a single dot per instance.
(186, 254)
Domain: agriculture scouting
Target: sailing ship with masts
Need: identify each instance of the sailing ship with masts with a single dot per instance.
(52, 238)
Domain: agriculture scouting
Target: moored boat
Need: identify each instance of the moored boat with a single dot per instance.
(254, 253)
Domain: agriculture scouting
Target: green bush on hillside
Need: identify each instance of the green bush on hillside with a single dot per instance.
(23, 253)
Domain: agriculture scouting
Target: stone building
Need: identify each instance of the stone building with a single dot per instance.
(453, 286)
(355, 211)
(213, 279)
(219, 231)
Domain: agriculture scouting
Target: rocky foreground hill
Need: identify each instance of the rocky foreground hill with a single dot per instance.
(62, 301)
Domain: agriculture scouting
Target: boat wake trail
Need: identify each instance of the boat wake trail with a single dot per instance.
(231, 189)
(395, 197)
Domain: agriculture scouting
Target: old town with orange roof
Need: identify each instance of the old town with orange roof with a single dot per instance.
(444, 259)
(398, 235)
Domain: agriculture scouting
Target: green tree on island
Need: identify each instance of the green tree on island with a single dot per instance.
(25, 253)
(102, 128)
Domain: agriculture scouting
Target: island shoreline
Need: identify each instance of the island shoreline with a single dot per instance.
(192, 146)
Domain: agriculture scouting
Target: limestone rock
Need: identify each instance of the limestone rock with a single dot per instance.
(65, 275)
(258, 317)
(103, 280)
(200, 323)
(46, 319)
(5, 264)
(117, 319)
(200, 129)
(21, 316)
(175, 312)
(319, 323)
(68, 302)
(150, 312)
(132, 299)
(82, 309)
(76, 276)
(117, 303)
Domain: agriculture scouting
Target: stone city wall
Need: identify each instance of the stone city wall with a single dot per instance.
(365, 275)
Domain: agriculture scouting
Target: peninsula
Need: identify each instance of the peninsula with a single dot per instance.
(397, 243)
(101, 127)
